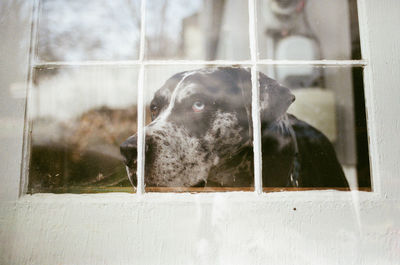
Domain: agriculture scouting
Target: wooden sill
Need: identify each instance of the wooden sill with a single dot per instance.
(246, 189)
(82, 190)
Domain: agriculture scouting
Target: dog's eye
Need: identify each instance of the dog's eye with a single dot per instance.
(154, 112)
(198, 106)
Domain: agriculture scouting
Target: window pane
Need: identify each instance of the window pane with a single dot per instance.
(198, 29)
(330, 124)
(74, 30)
(79, 118)
(308, 29)
(200, 136)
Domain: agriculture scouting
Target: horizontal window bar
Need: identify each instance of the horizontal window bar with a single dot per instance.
(191, 62)
(314, 62)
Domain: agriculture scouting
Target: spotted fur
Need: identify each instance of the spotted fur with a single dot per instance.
(213, 146)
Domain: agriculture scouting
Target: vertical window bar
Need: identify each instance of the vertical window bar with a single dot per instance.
(140, 105)
(368, 95)
(27, 133)
(255, 110)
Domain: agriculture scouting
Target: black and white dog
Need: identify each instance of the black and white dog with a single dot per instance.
(201, 135)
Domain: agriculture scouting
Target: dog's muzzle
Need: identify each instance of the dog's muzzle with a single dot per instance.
(129, 152)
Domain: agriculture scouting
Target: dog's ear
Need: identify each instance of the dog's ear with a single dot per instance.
(274, 99)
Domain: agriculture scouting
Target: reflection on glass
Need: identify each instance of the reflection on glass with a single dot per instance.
(308, 29)
(200, 129)
(74, 30)
(327, 138)
(199, 29)
(79, 118)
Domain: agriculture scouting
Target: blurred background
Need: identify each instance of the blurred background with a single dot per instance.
(80, 115)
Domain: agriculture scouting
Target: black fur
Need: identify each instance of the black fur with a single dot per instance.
(290, 147)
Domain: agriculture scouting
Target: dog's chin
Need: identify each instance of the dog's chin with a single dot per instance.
(150, 182)
(200, 184)
(132, 175)
(131, 172)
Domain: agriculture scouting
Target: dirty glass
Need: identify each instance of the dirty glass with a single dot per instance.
(198, 116)
(78, 117)
(322, 141)
(308, 29)
(197, 29)
(77, 30)
(198, 128)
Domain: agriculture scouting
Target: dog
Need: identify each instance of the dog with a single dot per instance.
(201, 134)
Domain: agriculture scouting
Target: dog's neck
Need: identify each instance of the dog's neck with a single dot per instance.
(279, 148)
(233, 171)
(280, 153)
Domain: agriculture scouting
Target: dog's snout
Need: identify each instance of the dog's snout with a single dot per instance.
(129, 151)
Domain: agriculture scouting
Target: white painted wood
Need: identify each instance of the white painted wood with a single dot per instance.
(15, 28)
(255, 97)
(201, 62)
(234, 228)
(140, 133)
(27, 132)
(141, 111)
(310, 227)
(381, 47)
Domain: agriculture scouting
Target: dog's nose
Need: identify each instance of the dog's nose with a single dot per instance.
(129, 151)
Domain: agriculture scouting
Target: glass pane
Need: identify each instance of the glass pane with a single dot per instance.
(74, 30)
(308, 29)
(199, 131)
(80, 116)
(324, 133)
(198, 29)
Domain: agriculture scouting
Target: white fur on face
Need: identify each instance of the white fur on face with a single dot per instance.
(175, 152)
(186, 92)
(224, 133)
(165, 93)
(161, 119)
(179, 159)
(182, 160)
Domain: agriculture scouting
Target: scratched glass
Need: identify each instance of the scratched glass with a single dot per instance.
(75, 30)
(79, 118)
(197, 29)
(327, 135)
(199, 130)
(308, 29)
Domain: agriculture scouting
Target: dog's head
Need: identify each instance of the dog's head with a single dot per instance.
(201, 129)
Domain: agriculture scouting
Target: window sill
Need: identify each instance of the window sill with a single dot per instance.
(189, 196)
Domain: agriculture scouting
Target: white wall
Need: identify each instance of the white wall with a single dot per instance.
(327, 227)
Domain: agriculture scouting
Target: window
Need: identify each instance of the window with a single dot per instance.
(97, 77)
(307, 227)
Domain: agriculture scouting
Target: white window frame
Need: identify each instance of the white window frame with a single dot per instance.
(142, 62)
(31, 215)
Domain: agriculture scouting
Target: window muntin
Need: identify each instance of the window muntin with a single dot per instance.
(242, 32)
